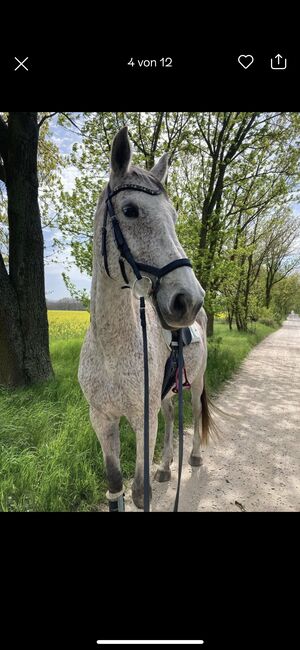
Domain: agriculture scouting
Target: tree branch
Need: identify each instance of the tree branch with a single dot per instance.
(156, 132)
(294, 265)
(72, 121)
(141, 137)
(46, 117)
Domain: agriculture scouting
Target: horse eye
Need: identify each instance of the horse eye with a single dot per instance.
(131, 211)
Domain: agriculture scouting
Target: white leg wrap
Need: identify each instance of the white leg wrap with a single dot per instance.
(114, 496)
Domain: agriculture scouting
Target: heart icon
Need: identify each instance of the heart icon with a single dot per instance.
(245, 60)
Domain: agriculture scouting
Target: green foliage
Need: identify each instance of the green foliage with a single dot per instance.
(286, 296)
(235, 181)
(79, 294)
(50, 166)
(232, 178)
(268, 317)
(50, 162)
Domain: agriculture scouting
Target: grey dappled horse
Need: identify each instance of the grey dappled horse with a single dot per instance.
(111, 361)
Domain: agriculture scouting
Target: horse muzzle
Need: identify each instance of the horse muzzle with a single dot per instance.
(181, 310)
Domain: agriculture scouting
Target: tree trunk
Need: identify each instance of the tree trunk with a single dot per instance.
(11, 344)
(268, 296)
(24, 302)
(210, 323)
(238, 321)
(241, 323)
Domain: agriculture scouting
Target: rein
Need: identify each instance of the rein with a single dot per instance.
(158, 273)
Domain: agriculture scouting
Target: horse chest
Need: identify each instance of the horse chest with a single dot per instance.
(113, 381)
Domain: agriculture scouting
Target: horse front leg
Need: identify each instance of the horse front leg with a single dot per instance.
(164, 473)
(137, 423)
(107, 431)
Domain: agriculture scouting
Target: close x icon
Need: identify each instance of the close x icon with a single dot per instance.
(21, 63)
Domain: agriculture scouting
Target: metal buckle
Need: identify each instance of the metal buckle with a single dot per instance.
(142, 288)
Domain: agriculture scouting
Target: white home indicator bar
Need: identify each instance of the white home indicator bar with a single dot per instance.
(150, 642)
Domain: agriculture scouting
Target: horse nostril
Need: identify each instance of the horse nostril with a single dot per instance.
(180, 305)
(200, 305)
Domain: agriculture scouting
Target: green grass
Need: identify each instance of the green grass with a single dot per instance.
(50, 459)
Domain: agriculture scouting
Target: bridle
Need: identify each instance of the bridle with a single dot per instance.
(158, 273)
(123, 247)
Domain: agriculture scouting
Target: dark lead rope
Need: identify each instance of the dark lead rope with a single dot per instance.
(158, 273)
(180, 417)
(146, 408)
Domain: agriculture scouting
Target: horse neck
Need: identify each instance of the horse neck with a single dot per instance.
(114, 315)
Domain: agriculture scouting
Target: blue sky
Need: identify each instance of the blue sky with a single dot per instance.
(55, 286)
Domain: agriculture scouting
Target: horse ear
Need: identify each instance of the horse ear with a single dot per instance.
(121, 152)
(160, 170)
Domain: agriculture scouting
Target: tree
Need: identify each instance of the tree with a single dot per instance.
(286, 296)
(247, 164)
(24, 342)
(229, 173)
(265, 259)
(280, 258)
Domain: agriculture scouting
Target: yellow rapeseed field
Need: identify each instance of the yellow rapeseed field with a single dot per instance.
(68, 324)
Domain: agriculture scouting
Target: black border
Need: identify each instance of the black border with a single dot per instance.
(72, 578)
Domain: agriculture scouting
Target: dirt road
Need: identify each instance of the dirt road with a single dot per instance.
(256, 465)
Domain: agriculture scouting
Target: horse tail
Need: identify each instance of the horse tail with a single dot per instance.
(206, 417)
(210, 429)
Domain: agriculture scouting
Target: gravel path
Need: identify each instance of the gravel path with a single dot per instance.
(256, 464)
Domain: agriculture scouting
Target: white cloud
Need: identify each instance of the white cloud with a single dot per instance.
(68, 178)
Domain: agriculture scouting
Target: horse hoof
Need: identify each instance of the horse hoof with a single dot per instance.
(138, 502)
(195, 461)
(162, 475)
(138, 497)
